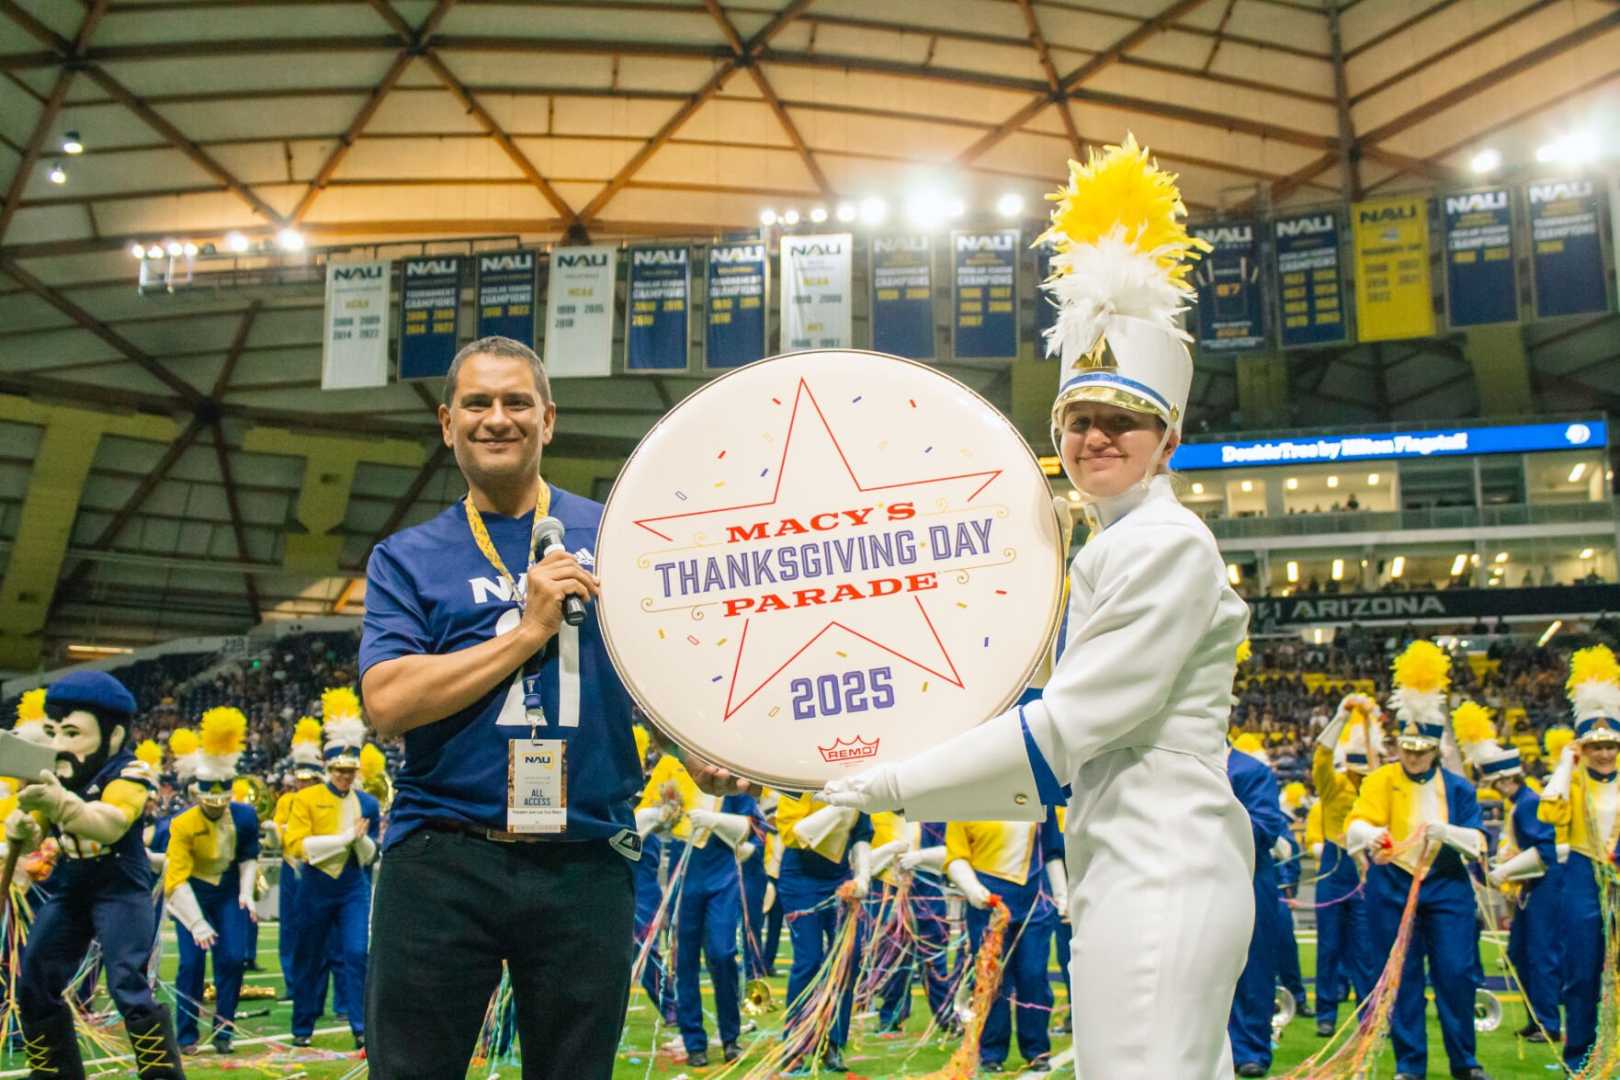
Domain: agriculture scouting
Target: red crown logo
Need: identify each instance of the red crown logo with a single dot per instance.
(849, 749)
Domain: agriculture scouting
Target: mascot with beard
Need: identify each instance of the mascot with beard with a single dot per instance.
(102, 886)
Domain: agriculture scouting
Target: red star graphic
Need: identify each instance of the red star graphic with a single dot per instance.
(946, 672)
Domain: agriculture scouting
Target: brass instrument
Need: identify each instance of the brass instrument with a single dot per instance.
(757, 998)
(264, 799)
(380, 788)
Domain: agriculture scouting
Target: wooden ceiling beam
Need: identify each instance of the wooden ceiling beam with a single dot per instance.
(1043, 54)
(403, 506)
(1397, 29)
(1449, 51)
(238, 343)
(248, 584)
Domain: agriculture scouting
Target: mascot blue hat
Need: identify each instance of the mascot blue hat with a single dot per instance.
(96, 691)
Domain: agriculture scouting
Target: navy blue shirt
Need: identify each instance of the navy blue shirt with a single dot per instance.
(430, 590)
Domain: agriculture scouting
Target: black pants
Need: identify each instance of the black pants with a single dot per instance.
(449, 908)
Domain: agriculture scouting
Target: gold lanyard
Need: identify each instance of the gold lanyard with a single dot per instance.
(475, 522)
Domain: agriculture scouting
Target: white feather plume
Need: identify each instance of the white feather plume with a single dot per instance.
(1094, 283)
(1596, 697)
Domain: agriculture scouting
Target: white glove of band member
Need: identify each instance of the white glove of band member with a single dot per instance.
(960, 871)
(770, 896)
(1558, 786)
(1563, 853)
(1464, 841)
(1364, 836)
(23, 832)
(1526, 864)
(745, 851)
(649, 818)
(860, 862)
(1316, 852)
(886, 854)
(1057, 879)
(1434, 834)
(320, 849)
(1281, 851)
(929, 859)
(731, 829)
(871, 790)
(184, 907)
(815, 827)
(1329, 736)
(246, 885)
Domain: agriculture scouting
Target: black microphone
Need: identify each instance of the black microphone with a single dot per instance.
(547, 535)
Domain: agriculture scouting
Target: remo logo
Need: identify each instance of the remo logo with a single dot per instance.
(828, 558)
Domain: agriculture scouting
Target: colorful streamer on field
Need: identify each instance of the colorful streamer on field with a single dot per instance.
(988, 965)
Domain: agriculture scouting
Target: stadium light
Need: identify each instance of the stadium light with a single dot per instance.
(1198, 489)
(290, 240)
(847, 212)
(1372, 479)
(1338, 569)
(1333, 481)
(137, 251)
(1292, 483)
(928, 209)
(790, 217)
(873, 210)
(1586, 553)
(1487, 160)
(1501, 557)
(1247, 486)
(174, 248)
(190, 249)
(1459, 563)
(99, 650)
(71, 143)
(1234, 574)
(236, 242)
(1293, 572)
(1010, 205)
(57, 175)
(818, 214)
(1398, 566)
(1570, 148)
(767, 217)
(1577, 472)
(955, 208)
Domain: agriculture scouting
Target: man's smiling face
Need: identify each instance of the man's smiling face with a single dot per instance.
(499, 421)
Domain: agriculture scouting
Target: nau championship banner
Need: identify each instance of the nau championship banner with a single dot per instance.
(828, 559)
(657, 300)
(1231, 301)
(984, 295)
(429, 315)
(903, 296)
(508, 283)
(579, 312)
(1482, 285)
(734, 330)
(816, 281)
(1393, 296)
(1566, 248)
(354, 349)
(1310, 281)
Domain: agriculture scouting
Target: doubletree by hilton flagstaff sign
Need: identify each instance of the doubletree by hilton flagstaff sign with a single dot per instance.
(1452, 604)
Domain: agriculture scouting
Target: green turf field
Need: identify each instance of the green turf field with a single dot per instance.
(868, 1055)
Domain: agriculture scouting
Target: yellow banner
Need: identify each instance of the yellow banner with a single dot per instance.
(1393, 295)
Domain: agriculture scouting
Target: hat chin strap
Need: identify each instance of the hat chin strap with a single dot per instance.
(1153, 468)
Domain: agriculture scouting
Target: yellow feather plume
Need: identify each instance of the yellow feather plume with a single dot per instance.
(32, 706)
(307, 730)
(1556, 739)
(1244, 651)
(241, 791)
(339, 701)
(223, 730)
(1423, 667)
(1593, 664)
(642, 741)
(182, 741)
(150, 753)
(1472, 723)
(1124, 188)
(372, 762)
(1248, 742)
(1293, 793)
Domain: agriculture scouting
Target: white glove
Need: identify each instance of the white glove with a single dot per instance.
(365, 850)
(1563, 853)
(1316, 852)
(1558, 786)
(816, 827)
(1434, 834)
(247, 882)
(928, 859)
(732, 829)
(1364, 835)
(1526, 864)
(94, 820)
(651, 817)
(770, 896)
(23, 832)
(883, 856)
(1057, 879)
(860, 861)
(320, 849)
(960, 871)
(1465, 841)
(183, 906)
(871, 790)
(1281, 851)
(1329, 736)
(745, 851)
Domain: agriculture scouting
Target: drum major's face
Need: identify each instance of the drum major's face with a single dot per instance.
(1106, 449)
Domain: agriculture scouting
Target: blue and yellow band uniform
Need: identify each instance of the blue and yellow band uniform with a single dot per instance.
(1344, 959)
(206, 855)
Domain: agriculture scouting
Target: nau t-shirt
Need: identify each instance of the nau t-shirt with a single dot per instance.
(429, 589)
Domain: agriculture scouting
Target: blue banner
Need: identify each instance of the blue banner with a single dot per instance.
(429, 315)
(736, 305)
(1567, 249)
(1310, 281)
(984, 294)
(1231, 299)
(507, 288)
(1482, 286)
(903, 296)
(657, 299)
(1391, 446)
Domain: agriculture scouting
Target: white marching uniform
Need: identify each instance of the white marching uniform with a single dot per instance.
(1160, 853)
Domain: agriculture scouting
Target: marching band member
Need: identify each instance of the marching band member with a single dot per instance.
(651, 871)
(332, 832)
(1527, 858)
(1583, 804)
(102, 887)
(755, 884)
(1346, 751)
(1012, 860)
(1289, 857)
(306, 771)
(1413, 815)
(1249, 1026)
(209, 875)
(930, 934)
(1134, 716)
(825, 847)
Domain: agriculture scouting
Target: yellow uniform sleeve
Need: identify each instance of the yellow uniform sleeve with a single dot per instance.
(177, 867)
(1324, 777)
(790, 810)
(129, 797)
(958, 842)
(1555, 812)
(283, 810)
(1313, 825)
(1373, 801)
(887, 826)
(300, 825)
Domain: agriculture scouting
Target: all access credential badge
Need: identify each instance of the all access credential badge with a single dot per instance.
(536, 786)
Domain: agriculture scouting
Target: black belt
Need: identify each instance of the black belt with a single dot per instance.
(481, 832)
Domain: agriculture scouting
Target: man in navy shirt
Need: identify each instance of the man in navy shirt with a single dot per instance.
(511, 836)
